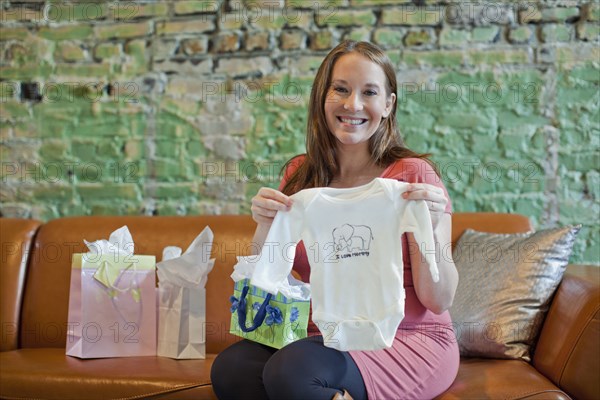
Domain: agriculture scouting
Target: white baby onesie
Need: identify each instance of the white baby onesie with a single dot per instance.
(352, 238)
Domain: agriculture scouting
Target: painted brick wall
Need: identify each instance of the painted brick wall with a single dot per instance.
(188, 107)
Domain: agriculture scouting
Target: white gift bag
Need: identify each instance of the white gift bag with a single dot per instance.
(182, 298)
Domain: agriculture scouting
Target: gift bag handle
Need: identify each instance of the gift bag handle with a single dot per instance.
(258, 318)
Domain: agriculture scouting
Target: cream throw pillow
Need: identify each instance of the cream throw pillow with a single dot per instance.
(506, 282)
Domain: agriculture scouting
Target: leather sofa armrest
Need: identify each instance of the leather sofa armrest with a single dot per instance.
(568, 349)
(16, 236)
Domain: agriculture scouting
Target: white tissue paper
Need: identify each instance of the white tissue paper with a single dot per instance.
(182, 298)
(290, 288)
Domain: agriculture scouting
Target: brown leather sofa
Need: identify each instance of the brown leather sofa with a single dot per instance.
(35, 272)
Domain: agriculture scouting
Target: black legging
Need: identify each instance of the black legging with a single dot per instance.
(303, 370)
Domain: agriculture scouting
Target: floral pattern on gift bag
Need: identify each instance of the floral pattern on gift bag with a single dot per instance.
(112, 306)
(259, 316)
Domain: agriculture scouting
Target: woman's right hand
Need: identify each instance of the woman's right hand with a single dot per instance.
(266, 203)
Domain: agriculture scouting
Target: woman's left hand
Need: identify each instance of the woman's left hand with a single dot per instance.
(434, 198)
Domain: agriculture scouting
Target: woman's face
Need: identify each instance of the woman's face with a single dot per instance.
(357, 99)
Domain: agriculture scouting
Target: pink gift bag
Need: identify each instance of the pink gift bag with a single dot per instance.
(112, 306)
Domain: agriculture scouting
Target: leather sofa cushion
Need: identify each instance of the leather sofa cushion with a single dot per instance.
(500, 379)
(28, 372)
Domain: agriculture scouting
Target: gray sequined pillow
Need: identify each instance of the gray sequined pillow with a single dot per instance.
(506, 282)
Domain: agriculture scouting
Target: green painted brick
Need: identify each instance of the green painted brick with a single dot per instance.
(109, 149)
(581, 161)
(84, 70)
(556, 33)
(443, 58)
(108, 208)
(388, 37)
(195, 148)
(512, 56)
(485, 34)
(170, 171)
(359, 34)
(68, 32)
(346, 18)
(84, 149)
(107, 50)
(11, 109)
(175, 190)
(123, 30)
(559, 14)
(107, 191)
(454, 37)
(476, 121)
(196, 6)
(53, 150)
(53, 193)
(520, 35)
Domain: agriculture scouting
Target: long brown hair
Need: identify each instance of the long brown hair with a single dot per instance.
(320, 163)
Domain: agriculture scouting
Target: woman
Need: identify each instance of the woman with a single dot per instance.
(353, 138)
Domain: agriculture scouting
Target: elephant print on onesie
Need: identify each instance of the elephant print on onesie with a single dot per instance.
(351, 241)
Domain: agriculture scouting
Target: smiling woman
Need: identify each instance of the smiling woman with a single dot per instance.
(352, 138)
(358, 99)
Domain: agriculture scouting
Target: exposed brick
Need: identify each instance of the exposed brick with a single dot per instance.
(13, 33)
(291, 40)
(345, 18)
(181, 27)
(298, 18)
(60, 12)
(411, 15)
(257, 41)
(369, 3)
(479, 13)
(162, 49)
(107, 191)
(316, 4)
(182, 7)
(192, 47)
(245, 66)
(419, 37)
(321, 40)
(230, 21)
(71, 52)
(226, 42)
(531, 14)
(267, 20)
(588, 32)
(591, 11)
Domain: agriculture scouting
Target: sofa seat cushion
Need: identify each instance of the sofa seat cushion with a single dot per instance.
(480, 378)
(27, 373)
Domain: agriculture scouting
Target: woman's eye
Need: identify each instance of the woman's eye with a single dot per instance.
(340, 89)
(371, 93)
